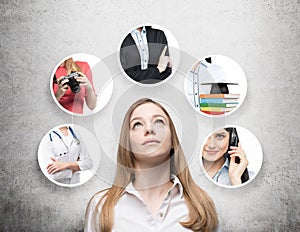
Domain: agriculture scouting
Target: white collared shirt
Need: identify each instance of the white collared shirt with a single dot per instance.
(193, 86)
(140, 39)
(132, 214)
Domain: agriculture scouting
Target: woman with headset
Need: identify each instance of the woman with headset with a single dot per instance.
(68, 155)
(153, 188)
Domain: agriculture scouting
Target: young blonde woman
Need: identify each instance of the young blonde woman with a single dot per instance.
(70, 100)
(153, 189)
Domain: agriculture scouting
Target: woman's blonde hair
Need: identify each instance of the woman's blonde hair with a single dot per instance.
(71, 66)
(202, 212)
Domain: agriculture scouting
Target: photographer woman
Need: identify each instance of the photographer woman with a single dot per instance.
(153, 188)
(63, 93)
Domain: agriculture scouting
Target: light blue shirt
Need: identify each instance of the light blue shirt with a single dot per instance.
(140, 39)
(222, 176)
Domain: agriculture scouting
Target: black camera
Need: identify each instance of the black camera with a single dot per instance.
(73, 83)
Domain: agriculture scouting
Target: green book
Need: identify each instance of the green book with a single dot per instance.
(223, 105)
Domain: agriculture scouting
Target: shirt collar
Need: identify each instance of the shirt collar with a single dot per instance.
(135, 31)
(226, 164)
(224, 167)
(176, 182)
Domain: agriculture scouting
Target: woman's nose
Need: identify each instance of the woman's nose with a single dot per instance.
(149, 129)
(211, 143)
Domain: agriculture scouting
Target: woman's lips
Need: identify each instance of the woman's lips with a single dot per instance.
(211, 152)
(150, 141)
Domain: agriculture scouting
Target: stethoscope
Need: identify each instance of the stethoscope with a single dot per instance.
(76, 140)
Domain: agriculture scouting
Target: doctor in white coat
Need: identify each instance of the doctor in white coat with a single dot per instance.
(68, 155)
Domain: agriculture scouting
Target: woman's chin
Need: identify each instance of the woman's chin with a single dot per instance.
(210, 158)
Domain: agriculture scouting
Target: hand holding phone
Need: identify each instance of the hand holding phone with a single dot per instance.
(238, 165)
(238, 172)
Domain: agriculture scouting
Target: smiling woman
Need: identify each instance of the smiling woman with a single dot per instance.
(223, 158)
(153, 188)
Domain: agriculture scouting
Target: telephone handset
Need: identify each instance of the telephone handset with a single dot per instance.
(234, 141)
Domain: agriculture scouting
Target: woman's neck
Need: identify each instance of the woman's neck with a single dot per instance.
(64, 130)
(153, 184)
(212, 167)
(152, 177)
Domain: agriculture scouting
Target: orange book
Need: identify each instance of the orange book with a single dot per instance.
(221, 95)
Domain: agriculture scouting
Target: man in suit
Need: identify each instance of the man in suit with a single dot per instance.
(144, 55)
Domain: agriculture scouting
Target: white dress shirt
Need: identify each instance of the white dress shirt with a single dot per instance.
(132, 213)
(193, 86)
(140, 39)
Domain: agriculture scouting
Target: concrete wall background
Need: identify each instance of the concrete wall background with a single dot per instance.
(262, 36)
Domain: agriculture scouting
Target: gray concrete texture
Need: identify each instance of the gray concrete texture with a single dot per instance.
(262, 36)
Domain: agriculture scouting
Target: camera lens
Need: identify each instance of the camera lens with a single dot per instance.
(74, 85)
(75, 88)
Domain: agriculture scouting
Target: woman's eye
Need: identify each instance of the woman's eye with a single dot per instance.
(159, 122)
(136, 125)
(220, 136)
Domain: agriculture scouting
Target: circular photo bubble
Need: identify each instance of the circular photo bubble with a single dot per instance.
(215, 86)
(149, 54)
(69, 155)
(81, 84)
(231, 156)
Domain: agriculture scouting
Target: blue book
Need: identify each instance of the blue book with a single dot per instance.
(218, 100)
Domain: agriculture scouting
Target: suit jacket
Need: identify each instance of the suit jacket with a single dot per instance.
(131, 60)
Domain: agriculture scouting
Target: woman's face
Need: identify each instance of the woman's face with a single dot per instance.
(216, 146)
(150, 134)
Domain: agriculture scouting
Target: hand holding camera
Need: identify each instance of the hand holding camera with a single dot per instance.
(83, 80)
(74, 80)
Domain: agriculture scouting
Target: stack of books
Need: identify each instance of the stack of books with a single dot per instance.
(218, 104)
